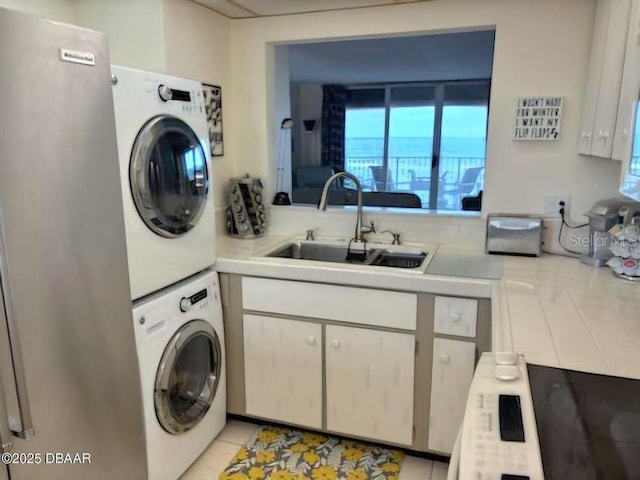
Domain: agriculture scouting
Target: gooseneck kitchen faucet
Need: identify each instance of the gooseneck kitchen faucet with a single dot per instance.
(324, 200)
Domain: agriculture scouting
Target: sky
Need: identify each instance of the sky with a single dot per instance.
(458, 121)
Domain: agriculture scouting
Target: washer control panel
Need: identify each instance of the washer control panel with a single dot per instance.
(499, 435)
(187, 302)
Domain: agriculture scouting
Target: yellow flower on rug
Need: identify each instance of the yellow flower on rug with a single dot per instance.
(233, 476)
(324, 473)
(353, 454)
(242, 454)
(390, 467)
(281, 475)
(313, 439)
(256, 473)
(286, 454)
(358, 474)
(311, 458)
(265, 456)
(299, 448)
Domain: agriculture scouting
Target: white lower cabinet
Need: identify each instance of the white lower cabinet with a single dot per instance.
(369, 383)
(283, 370)
(453, 366)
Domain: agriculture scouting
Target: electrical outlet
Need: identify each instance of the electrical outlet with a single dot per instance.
(552, 205)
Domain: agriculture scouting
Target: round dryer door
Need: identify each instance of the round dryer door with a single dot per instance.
(188, 377)
(168, 176)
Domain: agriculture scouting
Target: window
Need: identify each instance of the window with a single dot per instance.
(427, 140)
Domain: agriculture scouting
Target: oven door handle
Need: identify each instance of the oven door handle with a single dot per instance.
(454, 462)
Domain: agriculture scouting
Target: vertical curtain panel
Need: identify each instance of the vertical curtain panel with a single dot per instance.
(334, 100)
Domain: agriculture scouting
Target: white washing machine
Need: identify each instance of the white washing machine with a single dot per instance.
(164, 156)
(180, 342)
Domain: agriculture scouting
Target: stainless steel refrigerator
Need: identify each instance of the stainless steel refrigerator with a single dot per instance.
(69, 371)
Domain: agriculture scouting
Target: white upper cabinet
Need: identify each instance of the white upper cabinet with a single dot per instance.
(602, 92)
(629, 90)
(627, 125)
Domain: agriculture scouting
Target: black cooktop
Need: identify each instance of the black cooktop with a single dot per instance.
(588, 425)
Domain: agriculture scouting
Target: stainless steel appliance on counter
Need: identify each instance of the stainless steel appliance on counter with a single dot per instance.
(69, 375)
(514, 235)
(602, 217)
(526, 421)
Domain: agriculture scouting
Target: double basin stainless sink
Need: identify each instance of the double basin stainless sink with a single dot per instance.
(375, 254)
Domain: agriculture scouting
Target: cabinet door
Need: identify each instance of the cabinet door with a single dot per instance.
(629, 90)
(453, 365)
(611, 78)
(283, 370)
(370, 383)
(592, 88)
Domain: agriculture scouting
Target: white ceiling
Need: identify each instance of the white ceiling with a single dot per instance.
(450, 56)
(264, 8)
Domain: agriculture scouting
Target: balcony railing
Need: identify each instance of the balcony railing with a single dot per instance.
(413, 174)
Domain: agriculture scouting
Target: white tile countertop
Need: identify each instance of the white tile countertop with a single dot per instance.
(553, 309)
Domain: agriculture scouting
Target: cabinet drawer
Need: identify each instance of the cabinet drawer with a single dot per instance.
(455, 316)
(346, 304)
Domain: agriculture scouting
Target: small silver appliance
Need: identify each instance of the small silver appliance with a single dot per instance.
(602, 216)
(514, 235)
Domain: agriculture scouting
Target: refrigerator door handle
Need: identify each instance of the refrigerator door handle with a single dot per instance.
(26, 430)
(5, 433)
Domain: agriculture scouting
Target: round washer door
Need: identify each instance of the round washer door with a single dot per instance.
(188, 377)
(168, 176)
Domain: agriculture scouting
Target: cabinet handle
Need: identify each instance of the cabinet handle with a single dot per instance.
(444, 358)
(335, 343)
(455, 317)
(311, 340)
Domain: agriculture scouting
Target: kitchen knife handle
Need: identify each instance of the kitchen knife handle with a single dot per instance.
(26, 430)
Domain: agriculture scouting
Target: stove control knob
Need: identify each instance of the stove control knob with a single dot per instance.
(165, 93)
(506, 358)
(185, 304)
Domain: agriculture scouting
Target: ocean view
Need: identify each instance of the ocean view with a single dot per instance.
(459, 147)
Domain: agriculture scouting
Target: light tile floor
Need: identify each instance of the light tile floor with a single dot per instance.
(220, 453)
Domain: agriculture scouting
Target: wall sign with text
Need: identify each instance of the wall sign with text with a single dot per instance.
(538, 118)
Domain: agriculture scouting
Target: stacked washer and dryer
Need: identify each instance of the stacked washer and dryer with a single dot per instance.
(170, 226)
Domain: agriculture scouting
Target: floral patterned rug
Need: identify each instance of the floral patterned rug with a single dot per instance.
(284, 454)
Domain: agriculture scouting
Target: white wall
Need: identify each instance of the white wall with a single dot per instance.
(60, 10)
(307, 106)
(542, 47)
(197, 43)
(135, 30)
(453, 56)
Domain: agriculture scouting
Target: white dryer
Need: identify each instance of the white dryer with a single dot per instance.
(181, 355)
(166, 180)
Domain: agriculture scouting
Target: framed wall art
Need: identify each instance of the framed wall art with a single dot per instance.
(538, 118)
(213, 107)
